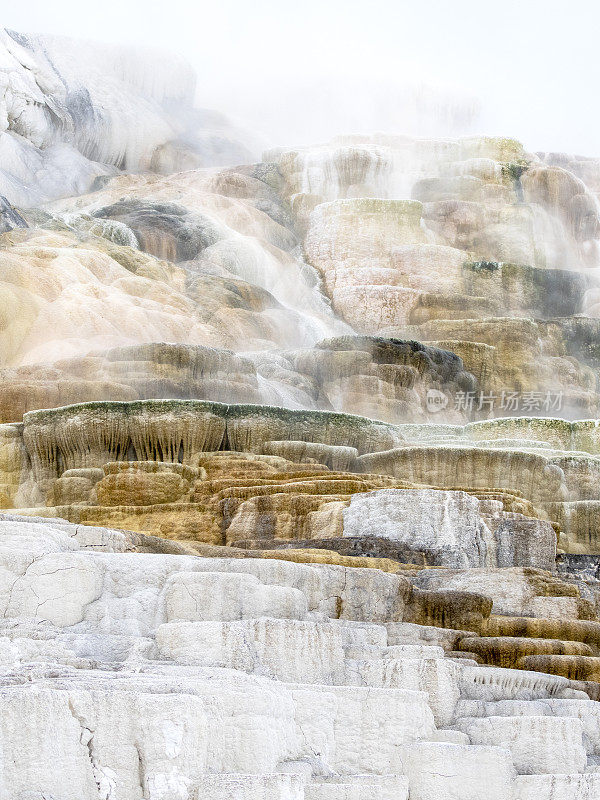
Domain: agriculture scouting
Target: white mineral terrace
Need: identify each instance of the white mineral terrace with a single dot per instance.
(139, 675)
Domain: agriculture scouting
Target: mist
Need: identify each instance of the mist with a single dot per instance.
(299, 74)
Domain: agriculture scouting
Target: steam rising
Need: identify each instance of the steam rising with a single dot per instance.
(153, 220)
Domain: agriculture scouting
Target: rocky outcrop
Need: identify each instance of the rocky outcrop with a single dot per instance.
(167, 469)
(499, 335)
(9, 217)
(525, 463)
(131, 373)
(536, 468)
(344, 374)
(451, 529)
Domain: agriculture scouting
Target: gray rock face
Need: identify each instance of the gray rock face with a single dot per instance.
(449, 528)
(9, 217)
(165, 230)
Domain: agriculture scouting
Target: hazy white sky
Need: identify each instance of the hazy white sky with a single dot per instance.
(311, 68)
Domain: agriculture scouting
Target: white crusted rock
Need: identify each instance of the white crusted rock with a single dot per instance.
(441, 771)
(359, 729)
(446, 527)
(205, 596)
(538, 745)
(588, 711)
(359, 787)
(436, 676)
(557, 787)
(248, 787)
(494, 683)
(73, 744)
(56, 588)
(169, 677)
(407, 632)
(288, 650)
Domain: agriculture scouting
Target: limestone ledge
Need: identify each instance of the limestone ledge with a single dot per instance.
(552, 464)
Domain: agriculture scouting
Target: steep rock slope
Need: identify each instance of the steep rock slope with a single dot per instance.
(72, 110)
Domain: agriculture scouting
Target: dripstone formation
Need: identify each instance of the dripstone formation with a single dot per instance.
(299, 456)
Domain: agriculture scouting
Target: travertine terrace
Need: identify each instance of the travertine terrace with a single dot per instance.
(299, 456)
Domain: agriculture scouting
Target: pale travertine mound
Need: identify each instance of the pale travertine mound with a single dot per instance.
(442, 242)
(63, 298)
(485, 195)
(320, 675)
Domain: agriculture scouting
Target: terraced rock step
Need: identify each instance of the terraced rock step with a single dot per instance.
(54, 458)
(256, 678)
